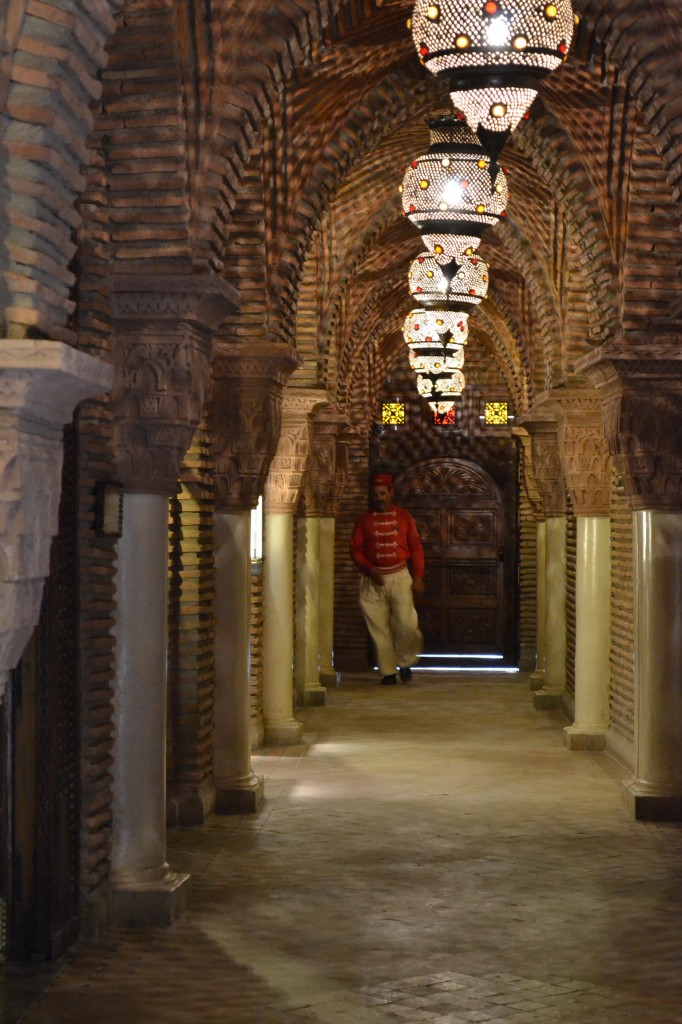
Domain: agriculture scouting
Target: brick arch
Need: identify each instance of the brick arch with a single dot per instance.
(644, 41)
(50, 70)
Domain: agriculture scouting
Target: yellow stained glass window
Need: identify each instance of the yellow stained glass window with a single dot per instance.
(393, 414)
(496, 414)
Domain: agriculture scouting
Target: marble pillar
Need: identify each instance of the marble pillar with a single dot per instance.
(238, 789)
(592, 634)
(328, 675)
(278, 617)
(554, 684)
(145, 890)
(307, 654)
(655, 791)
(538, 675)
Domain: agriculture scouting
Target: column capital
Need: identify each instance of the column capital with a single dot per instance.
(542, 424)
(584, 450)
(641, 408)
(163, 326)
(326, 466)
(288, 467)
(245, 412)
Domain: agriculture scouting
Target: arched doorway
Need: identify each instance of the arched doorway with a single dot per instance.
(468, 525)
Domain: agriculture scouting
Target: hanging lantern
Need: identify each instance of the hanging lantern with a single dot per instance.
(454, 192)
(495, 51)
(436, 342)
(440, 283)
(424, 327)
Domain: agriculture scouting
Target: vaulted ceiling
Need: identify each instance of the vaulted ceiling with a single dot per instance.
(266, 143)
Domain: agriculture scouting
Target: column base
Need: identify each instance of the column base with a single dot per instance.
(547, 700)
(314, 695)
(645, 803)
(330, 678)
(156, 903)
(584, 737)
(189, 807)
(241, 796)
(283, 734)
(537, 679)
(527, 658)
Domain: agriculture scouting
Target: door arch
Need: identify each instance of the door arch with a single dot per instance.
(468, 524)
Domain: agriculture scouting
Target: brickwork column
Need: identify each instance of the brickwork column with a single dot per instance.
(41, 383)
(542, 426)
(587, 468)
(245, 417)
(162, 347)
(641, 402)
(287, 477)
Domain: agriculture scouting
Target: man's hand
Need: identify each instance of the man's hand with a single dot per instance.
(418, 585)
(377, 577)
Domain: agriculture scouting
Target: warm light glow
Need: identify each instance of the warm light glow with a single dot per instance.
(497, 33)
(257, 531)
(393, 414)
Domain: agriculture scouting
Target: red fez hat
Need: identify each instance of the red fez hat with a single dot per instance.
(384, 479)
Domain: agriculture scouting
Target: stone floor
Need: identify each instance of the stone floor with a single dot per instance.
(431, 854)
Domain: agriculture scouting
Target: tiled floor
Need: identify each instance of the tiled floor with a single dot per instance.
(433, 854)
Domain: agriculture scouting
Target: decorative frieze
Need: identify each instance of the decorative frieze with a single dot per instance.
(245, 411)
(41, 383)
(289, 465)
(162, 349)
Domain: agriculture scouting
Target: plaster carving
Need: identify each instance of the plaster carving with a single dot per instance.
(584, 450)
(641, 406)
(244, 417)
(162, 347)
(289, 466)
(547, 469)
(41, 383)
(323, 485)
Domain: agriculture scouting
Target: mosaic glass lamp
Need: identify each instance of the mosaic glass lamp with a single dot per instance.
(437, 282)
(436, 342)
(493, 53)
(455, 191)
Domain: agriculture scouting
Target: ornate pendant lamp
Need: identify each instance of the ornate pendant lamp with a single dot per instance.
(455, 191)
(436, 342)
(493, 53)
(440, 283)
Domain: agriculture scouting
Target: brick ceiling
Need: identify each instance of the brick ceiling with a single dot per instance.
(267, 143)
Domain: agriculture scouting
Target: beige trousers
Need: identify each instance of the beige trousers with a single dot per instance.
(392, 620)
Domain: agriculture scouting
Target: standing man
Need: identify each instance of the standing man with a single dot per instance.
(383, 540)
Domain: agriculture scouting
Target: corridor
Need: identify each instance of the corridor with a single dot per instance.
(431, 853)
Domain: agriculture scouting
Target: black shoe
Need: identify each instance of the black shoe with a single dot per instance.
(389, 681)
(405, 674)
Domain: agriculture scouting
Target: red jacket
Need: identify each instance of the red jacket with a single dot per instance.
(385, 540)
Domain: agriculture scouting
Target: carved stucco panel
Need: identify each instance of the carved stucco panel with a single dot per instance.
(289, 466)
(41, 383)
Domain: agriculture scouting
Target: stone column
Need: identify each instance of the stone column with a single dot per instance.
(162, 345)
(245, 415)
(328, 674)
(287, 477)
(315, 562)
(588, 471)
(641, 404)
(542, 425)
(41, 383)
(537, 679)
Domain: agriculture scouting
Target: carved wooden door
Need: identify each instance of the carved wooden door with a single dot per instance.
(468, 527)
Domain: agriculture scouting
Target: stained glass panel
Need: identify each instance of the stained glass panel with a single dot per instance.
(496, 414)
(393, 414)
